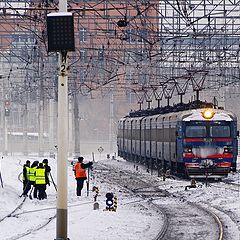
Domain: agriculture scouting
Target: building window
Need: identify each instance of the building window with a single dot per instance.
(142, 79)
(83, 34)
(136, 36)
(143, 34)
(130, 77)
(82, 76)
(111, 30)
(132, 35)
(83, 56)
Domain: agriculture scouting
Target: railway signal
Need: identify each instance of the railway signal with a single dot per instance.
(7, 108)
(7, 112)
(60, 28)
(7, 103)
(109, 201)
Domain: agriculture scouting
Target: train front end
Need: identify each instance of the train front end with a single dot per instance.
(208, 143)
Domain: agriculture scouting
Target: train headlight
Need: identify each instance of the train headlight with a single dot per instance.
(188, 150)
(208, 113)
(227, 150)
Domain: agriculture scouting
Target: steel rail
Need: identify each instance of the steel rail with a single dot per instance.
(165, 223)
(214, 215)
(13, 211)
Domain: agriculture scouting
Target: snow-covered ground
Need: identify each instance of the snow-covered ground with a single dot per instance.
(134, 219)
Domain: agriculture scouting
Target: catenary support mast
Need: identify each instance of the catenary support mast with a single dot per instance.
(61, 230)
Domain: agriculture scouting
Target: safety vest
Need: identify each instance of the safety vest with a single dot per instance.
(31, 174)
(79, 171)
(40, 176)
(27, 172)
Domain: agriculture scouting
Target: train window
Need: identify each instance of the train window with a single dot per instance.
(196, 131)
(220, 131)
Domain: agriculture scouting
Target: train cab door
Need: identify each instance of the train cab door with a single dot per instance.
(150, 135)
(124, 138)
(172, 140)
(169, 143)
(131, 139)
(144, 140)
(121, 138)
(157, 142)
(140, 138)
(135, 138)
(179, 147)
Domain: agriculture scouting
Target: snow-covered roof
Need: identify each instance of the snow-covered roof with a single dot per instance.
(59, 14)
(196, 114)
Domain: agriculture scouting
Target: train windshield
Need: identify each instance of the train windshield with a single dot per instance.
(220, 131)
(196, 131)
(212, 130)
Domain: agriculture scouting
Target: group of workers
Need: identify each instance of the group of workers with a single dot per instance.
(36, 178)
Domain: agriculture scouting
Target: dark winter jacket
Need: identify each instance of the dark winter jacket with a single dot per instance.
(25, 175)
(48, 170)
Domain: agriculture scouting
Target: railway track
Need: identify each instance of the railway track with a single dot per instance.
(14, 210)
(158, 195)
(138, 187)
(14, 214)
(232, 186)
(191, 221)
(155, 194)
(34, 228)
(19, 206)
(42, 225)
(31, 220)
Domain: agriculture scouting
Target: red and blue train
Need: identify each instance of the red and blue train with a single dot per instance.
(190, 142)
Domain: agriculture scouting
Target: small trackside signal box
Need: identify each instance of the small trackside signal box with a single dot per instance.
(60, 32)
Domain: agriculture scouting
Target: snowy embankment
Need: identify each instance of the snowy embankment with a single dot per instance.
(132, 220)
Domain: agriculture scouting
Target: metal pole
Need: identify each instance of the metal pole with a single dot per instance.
(61, 222)
(111, 125)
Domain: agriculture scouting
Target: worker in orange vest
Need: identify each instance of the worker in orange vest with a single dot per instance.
(80, 173)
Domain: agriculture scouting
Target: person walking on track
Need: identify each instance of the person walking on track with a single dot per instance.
(80, 174)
